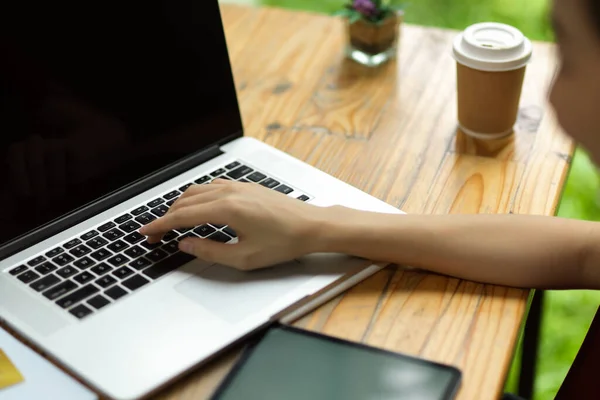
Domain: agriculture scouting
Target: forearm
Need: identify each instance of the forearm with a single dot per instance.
(519, 251)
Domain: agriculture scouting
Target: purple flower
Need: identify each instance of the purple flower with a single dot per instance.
(366, 7)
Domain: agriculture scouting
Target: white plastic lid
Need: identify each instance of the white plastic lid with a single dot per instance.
(492, 46)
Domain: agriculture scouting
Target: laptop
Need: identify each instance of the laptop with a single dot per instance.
(108, 112)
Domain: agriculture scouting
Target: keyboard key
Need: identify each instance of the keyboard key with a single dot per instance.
(139, 210)
(135, 282)
(84, 263)
(18, 270)
(245, 181)
(84, 278)
(239, 172)
(156, 255)
(46, 268)
(155, 202)
(171, 195)
(219, 237)
(54, 252)
(269, 183)
(80, 311)
(72, 243)
(98, 302)
(229, 231)
(63, 260)
(101, 254)
(105, 281)
(186, 187)
(117, 260)
(135, 252)
(151, 246)
(66, 272)
(115, 292)
(123, 272)
(183, 230)
(218, 172)
(130, 226)
(89, 235)
(232, 165)
(80, 251)
(123, 218)
(45, 283)
(204, 230)
(145, 218)
(167, 265)
(303, 197)
(77, 296)
(284, 189)
(36, 261)
(202, 180)
(218, 226)
(60, 289)
(134, 238)
(101, 269)
(169, 236)
(171, 202)
(160, 210)
(113, 234)
(96, 243)
(117, 246)
(256, 177)
(106, 226)
(140, 263)
(171, 247)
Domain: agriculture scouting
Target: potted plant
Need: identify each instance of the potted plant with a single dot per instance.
(373, 30)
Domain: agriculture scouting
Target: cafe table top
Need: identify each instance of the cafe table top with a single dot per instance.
(392, 132)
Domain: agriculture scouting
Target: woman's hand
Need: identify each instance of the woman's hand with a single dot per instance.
(271, 227)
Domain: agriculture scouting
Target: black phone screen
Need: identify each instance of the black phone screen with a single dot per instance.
(288, 363)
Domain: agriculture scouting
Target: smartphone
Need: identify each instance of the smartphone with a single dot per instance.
(287, 363)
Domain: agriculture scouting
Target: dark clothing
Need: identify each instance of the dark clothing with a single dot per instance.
(582, 380)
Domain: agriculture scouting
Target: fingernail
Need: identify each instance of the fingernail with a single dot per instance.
(186, 246)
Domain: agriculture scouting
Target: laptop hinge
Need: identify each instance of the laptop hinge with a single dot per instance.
(110, 200)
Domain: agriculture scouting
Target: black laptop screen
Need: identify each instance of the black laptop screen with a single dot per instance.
(97, 94)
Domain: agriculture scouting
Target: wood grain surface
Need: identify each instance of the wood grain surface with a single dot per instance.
(392, 132)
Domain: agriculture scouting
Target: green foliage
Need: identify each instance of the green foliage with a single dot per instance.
(567, 314)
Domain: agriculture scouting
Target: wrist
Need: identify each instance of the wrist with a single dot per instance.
(332, 230)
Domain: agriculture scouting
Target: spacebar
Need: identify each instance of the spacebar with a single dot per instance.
(168, 264)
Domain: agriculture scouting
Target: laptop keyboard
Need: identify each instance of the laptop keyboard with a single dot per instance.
(92, 271)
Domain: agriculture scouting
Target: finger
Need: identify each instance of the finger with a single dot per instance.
(197, 199)
(187, 217)
(195, 190)
(214, 252)
(221, 181)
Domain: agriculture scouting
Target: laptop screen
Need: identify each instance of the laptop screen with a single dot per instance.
(95, 95)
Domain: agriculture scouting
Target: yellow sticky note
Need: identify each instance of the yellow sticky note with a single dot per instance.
(9, 374)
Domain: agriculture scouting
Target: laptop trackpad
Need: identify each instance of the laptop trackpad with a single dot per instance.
(234, 295)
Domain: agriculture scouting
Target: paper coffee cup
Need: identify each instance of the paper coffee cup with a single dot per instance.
(491, 60)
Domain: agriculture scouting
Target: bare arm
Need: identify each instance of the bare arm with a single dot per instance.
(512, 250)
(520, 251)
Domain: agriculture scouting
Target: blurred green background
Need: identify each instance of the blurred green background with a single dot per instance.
(567, 314)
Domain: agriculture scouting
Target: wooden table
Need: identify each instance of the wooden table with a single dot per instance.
(392, 133)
